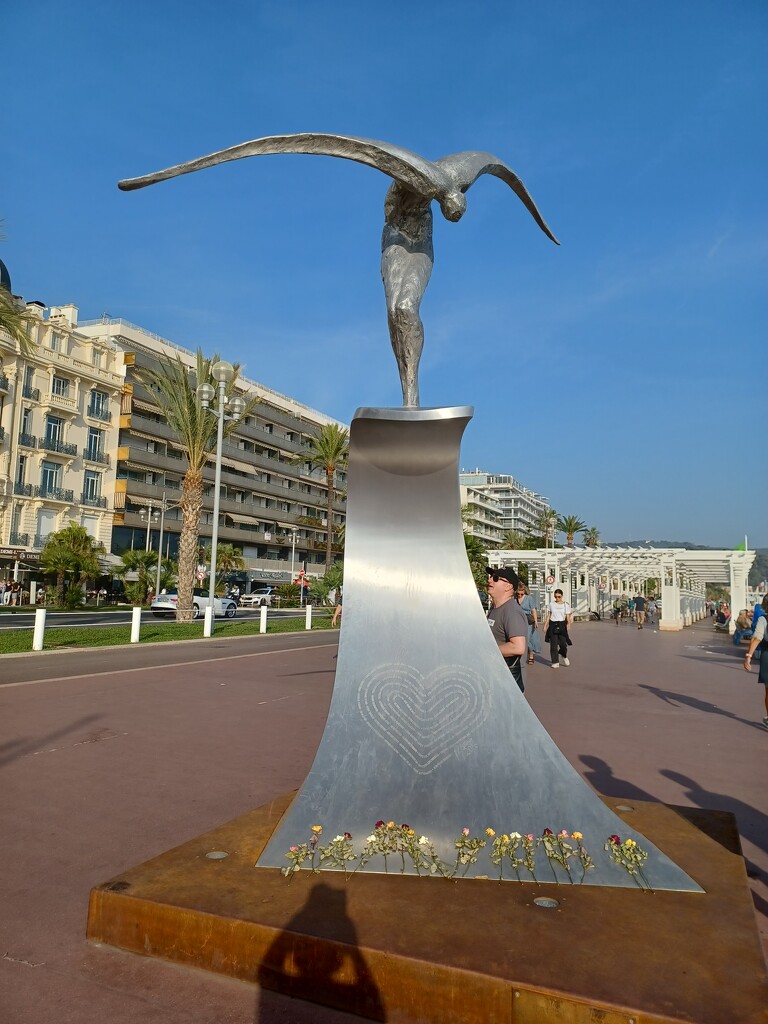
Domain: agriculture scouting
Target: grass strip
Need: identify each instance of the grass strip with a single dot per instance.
(152, 632)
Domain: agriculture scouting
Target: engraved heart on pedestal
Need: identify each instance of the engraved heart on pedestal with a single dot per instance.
(424, 718)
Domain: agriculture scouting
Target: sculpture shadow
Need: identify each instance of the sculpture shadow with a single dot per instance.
(317, 958)
(676, 699)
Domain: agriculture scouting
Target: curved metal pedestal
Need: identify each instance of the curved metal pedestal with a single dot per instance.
(426, 725)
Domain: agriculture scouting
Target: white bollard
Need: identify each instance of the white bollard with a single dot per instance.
(135, 625)
(33, 593)
(39, 635)
(263, 619)
(208, 622)
(308, 620)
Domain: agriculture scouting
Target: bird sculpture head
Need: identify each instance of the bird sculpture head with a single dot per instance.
(453, 205)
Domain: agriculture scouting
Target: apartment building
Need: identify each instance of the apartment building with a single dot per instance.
(271, 507)
(520, 506)
(58, 436)
(482, 515)
(82, 439)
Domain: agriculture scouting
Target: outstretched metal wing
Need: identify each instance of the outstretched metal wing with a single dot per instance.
(464, 169)
(421, 176)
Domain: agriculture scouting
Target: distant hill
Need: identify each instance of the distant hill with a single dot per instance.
(658, 544)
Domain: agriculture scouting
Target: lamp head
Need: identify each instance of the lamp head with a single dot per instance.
(236, 407)
(223, 372)
(205, 395)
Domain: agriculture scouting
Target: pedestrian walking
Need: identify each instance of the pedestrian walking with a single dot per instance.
(640, 610)
(528, 605)
(760, 640)
(558, 618)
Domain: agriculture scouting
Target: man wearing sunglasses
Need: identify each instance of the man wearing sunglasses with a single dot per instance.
(508, 621)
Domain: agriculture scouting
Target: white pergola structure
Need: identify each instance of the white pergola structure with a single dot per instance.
(592, 578)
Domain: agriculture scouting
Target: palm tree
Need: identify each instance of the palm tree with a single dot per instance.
(228, 559)
(570, 525)
(71, 550)
(515, 540)
(144, 564)
(592, 537)
(327, 449)
(195, 428)
(14, 321)
(545, 523)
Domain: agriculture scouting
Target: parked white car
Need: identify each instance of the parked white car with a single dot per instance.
(257, 598)
(164, 605)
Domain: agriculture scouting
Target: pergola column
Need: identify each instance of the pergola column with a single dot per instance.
(671, 618)
(739, 575)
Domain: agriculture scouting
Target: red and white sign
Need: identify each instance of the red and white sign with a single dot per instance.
(550, 579)
(302, 574)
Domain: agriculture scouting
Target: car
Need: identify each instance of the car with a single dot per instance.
(164, 605)
(258, 598)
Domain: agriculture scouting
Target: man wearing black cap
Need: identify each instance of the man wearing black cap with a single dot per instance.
(508, 621)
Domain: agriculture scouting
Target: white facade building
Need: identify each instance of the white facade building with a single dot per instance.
(483, 516)
(520, 506)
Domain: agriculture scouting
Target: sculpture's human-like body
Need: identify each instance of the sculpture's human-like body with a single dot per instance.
(407, 255)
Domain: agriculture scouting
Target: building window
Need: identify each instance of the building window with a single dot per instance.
(26, 421)
(99, 404)
(95, 443)
(97, 357)
(49, 477)
(55, 342)
(92, 485)
(21, 469)
(29, 376)
(54, 429)
(60, 386)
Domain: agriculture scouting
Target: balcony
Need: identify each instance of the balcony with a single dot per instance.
(93, 456)
(32, 393)
(40, 540)
(50, 444)
(27, 440)
(63, 403)
(19, 540)
(54, 493)
(97, 413)
(92, 502)
(3, 382)
(23, 490)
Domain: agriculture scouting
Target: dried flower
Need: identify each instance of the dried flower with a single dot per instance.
(317, 829)
(490, 833)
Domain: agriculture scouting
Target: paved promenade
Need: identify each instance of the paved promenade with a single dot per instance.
(111, 757)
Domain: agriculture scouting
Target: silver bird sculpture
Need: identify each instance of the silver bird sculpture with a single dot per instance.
(407, 254)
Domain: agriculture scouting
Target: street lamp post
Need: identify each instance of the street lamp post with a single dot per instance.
(294, 535)
(151, 515)
(223, 373)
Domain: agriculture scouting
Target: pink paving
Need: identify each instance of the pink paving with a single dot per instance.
(112, 757)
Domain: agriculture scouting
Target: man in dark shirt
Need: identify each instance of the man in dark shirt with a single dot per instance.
(640, 610)
(508, 621)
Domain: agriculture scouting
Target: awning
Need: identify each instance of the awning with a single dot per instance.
(238, 517)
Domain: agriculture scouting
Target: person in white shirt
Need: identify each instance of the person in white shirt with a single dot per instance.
(558, 618)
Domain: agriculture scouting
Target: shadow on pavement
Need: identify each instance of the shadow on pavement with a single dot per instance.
(15, 749)
(676, 699)
(600, 776)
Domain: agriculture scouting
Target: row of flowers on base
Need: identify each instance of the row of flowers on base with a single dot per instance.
(401, 843)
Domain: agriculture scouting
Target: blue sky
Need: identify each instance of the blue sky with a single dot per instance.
(621, 374)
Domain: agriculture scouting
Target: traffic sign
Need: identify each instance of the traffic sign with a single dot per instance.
(302, 574)
(550, 579)
(602, 586)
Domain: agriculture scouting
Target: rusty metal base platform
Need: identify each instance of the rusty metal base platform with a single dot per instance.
(400, 948)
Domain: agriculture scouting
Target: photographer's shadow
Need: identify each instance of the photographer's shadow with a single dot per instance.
(316, 958)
